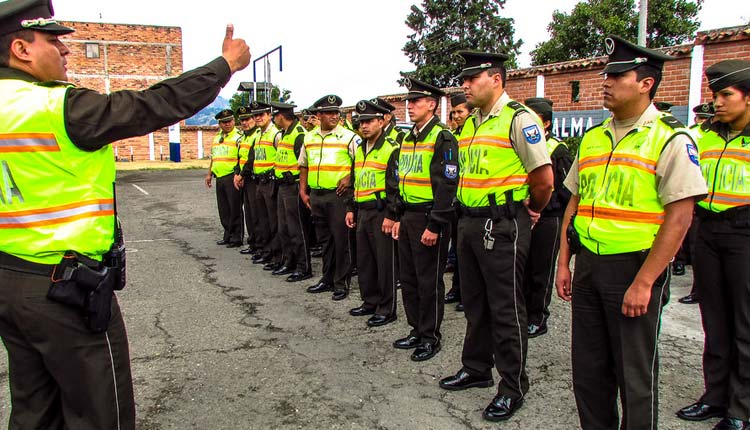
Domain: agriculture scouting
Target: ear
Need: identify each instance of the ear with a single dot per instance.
(646, 84)
(19, 48)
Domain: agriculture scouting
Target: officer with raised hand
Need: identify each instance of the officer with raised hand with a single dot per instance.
(506, 180)
(427, 174)
(375, 164)
(634, 185)
(224, 159)
(325, 166)
(69, 365)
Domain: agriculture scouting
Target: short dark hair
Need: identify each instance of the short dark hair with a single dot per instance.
(288, 115)
(643, 72)
(743, 87)
(499, 69)
(27, 35)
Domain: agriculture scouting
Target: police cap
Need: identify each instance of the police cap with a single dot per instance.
(279, 107)
(727, 73)
(624, 56)
(368, 109)
(705, 110)
(540, 105)
(329, 103)
(34, 15)
(663, 106)
(381, 102)
(224, 115)
(476, 62)
(458, 99)
(257, 107)
(243, 112)
(418, 89)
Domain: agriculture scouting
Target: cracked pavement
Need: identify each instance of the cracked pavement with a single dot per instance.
(218, 343)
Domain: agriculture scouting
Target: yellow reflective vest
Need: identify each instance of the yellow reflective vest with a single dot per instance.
(488, 164)
(265, 150)
(726, 168)
(370, 170)
(246, 143)
(54, 197)
(414, 159)
(619, 209)
(328, 157)
(286, 160)
(224, 153)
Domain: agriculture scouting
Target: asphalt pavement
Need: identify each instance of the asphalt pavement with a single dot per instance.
(218, 343)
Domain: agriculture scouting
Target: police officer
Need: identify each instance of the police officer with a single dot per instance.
(292, 233)
(390, 120)
(65, 373)
(722, 250)
(505, 182)
(375, 163)
(427, 173)
(459, 114)
(539, 278)
(702, 113)
(224, 159)
(325, 165)
(243, 173)
(634, 184)
(264, 159)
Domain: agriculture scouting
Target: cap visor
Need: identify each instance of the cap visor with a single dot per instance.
(54, 29)
(328, 109)
(618, 68)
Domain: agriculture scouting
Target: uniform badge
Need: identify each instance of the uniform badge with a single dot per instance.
(407, 83)
(331, 100)
(361, 106)
(532, 134)
(451, 171)
(692, 152)
(609, 45)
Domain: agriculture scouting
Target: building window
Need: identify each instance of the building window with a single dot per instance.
(575, 91)
(92, 50)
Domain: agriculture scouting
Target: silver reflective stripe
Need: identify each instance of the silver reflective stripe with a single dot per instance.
(10, 220)
(27, 141)
(647, 165)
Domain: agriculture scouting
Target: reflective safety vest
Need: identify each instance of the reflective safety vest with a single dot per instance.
(265, 151)
(488, 164)
(224, 153)
(553, 143)
(370, 170)
(726, 168)
(619, 209)
(328, 157)
(414, 182)
(246, 144)
(395, 134)
(54, 197)
(286, 160)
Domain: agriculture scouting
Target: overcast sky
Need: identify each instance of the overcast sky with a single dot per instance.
(348, 47)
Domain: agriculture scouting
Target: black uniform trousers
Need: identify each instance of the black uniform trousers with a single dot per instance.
(229, 201)
(329, 218)
(249, 191)
(421, 271)
(539, 276)
(62, 376)
(492, 295)
(456, 281)
(721, 267)
(611, 351)
(292, 233)
(267, 220)
(376, 263)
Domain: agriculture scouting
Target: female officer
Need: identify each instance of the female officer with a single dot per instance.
(722, 250)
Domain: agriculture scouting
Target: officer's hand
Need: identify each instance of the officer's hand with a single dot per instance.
(350, 220)
(429, 238)
(305, 199)
(394, 230)
(563, 283)
(635, 302)
(343, 185)
(235, 51)
(239, 182)
(534, 215)
(387, 227)
(208, 180)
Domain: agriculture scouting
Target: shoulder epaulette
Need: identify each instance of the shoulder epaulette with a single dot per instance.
(515, 105)
(391, 141)
(300, 129)
(672, 121)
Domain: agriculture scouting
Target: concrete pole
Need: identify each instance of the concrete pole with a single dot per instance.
(643, 23)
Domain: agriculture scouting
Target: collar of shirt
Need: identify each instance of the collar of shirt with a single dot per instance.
(648, 116)
(291, 127)
(375, 145)
(722, 128)
(419, 134)
(333, 131)
(496, 108)
(11, 73)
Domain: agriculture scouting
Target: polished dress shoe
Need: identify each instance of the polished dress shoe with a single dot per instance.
(259, 259)
(690, 299)
(462, 380)
(222, 242)
(283, 270)
(320, 287)
(732, 424)
(452, 297)
(361, 311)
(537, 330)
(246, 251)
(460, 307)
(299, 276)
(407, 342)
(339, 294)
(501, 408)
(700, 411)
(380, 320)
(425, 351)
(234, 244)
(678, 269)
(270, 267)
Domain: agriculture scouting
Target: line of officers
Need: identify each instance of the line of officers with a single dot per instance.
(508, 196)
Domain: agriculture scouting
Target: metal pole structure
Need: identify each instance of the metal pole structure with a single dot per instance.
(267, 68)
(643, 23)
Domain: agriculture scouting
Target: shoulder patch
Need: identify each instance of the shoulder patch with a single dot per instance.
(671, 121)
(451, 171)
(692, 153)
(532, 134)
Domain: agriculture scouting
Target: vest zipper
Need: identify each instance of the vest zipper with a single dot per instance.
(716, 171)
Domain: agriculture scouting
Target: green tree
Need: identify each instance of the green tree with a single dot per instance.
(243, 97)
(580, 34)
(442, 27)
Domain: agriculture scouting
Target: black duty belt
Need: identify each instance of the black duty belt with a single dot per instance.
(486, 211)
(418, 207)
(14, 263)
(727, 215)
(321, 191)
(368, 205)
